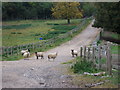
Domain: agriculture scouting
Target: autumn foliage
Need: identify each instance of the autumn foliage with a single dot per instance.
(67, 10)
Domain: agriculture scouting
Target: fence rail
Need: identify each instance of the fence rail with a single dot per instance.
(95, 54)
(16, 49)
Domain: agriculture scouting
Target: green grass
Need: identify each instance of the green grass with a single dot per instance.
(111, 34)
(29, 31)
(115, 77)
(64, 27)
(115, 35)
(59, 29)
(82, 66)
(12, 58)
(21, 26)
(113, 80)
(103, 60)
(68, 62)
(115, 49)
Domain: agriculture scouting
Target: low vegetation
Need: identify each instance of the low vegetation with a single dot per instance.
(79, 66)
(82, 66)
(112, 35)
(115, 49)
(29, 31)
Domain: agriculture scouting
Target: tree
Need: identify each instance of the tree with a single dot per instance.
(67, 10)
(26, 10)
(108, 16)
(88, 8)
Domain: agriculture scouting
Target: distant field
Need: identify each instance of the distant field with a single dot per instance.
(29, 31)
(115, 49)
(111, 35)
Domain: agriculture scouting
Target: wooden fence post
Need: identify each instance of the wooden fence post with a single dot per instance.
(99, 56)
(0, 50)
(33, 46)
(88, 53)
(93, 55)
(8, 51)
(109, 61)
(21, 47)
(85, 52)
(81, 48)
(27, 46)
(11, 51)
(18, 49)
(3, 50)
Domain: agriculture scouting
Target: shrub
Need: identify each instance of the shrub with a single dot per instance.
(19, 33)
(84, 66)
(13, 32)
(16, 33)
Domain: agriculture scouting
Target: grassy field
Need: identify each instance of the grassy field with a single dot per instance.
(54, 25)
(113, 35)
(115, 49)
(29, 31)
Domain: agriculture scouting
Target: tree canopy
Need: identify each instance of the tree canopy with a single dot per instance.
(67, 10)
(88, 9)
(26, 10)
(108, 16)
(42, 10)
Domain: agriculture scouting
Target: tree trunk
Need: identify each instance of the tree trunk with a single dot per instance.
(68, 21)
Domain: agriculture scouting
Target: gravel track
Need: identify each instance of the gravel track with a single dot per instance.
(42, 73)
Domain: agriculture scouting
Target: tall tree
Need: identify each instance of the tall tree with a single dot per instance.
(108, 16)
(67, 10)
(88, 8)
(26, 10)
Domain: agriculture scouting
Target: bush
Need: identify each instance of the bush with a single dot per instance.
(84, 66)
(52, 24)
(16, 33)
(19, 33)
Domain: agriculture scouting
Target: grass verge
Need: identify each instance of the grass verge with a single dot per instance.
(81, 80)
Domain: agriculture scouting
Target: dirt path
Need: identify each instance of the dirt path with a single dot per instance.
(34, 73)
